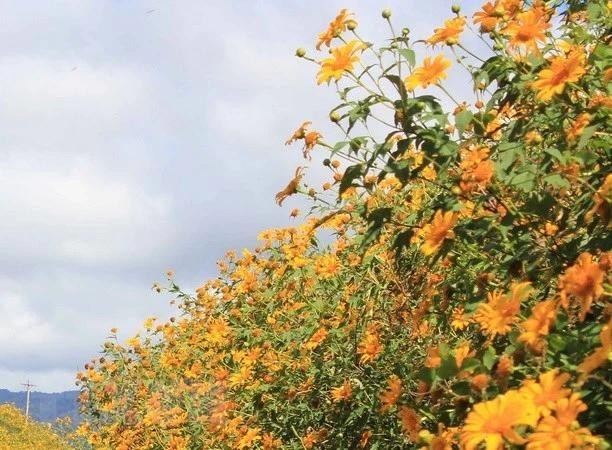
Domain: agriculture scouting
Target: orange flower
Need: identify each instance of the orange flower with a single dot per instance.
(342, 393)
(527, 29)
(535, 327)
(249, 438)
(500, 312)
(601, 354)
(390, 396)
(487, 18)
(450, 32)
(433, 358)
(477, 169)
(439, 229)
(291, 188)
(480, 382)
(316, 339)
(335, 27)
(411, 423)
(327, 266)
(583, 280)
(342, 60)
(461, 353)
(602, 200)
(370, 345)
(562, 431)
(459, 320)
(493, 421)
(504, 367)
(431, 72)
(562, 70)
(299, 133)
(547, 391)
(578, 126)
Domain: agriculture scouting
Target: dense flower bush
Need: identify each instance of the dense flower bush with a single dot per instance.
(464, 301)
(18, 434)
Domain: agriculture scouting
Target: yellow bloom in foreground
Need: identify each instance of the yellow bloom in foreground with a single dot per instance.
(439, 229)
(493, 421)
(562, 70)
(342, 60)
(500, 312)
(547, 391)
(431, 72)
(562, 431)
(449, 32)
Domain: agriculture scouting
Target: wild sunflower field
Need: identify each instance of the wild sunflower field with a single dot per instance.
(18, 434)
(463, 299)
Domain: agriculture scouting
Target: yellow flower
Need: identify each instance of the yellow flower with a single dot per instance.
(461, 353)
(411, 423)
(342, 393)
(500, 312)
(249, 438)
(601, 354)
(537, 325)
(431, 72)
(336, 26)
(493, 421)
(601, 202)
(487, 18)
(370, 345)
(342, 60)
(547, 391)
(439, 229)
(562, 431)
(459, 320)
(316, 339)
(527, 29)
(450, 32)
(577, 127)
(583, 280)
(389, 397)
(327, 266)
(562, 70)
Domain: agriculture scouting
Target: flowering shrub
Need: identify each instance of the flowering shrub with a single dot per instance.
(464, 301)
(17, 434)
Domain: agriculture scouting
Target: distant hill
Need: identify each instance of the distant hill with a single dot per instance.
(45, 407)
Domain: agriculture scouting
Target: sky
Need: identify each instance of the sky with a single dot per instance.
(138, 136)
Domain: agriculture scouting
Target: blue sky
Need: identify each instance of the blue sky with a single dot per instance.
(144, 135)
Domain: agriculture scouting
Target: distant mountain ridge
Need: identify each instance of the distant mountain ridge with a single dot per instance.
(45, 407)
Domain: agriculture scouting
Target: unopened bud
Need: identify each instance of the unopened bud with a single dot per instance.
(327, 162)
(456, 9)
(386, 13)
(405, 31)
(498, 46)
(300, 52)
(335, 116)
(452, 41)
(351, 24)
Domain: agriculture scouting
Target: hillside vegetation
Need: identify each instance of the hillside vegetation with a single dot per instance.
(17, 434)
(465, 299)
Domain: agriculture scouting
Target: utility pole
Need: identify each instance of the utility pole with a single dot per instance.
(28, 387)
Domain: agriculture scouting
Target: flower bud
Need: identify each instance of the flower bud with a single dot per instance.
(498, 46)
(405, 31)
(335, 116)
(300, 52)
(327, 162)
(386, 13)
(335, 163)
(452, 41)
(456, 9)
(351, 24)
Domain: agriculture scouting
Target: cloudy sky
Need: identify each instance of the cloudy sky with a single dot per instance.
(141, 135)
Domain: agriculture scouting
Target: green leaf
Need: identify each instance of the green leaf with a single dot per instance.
(489, 357)
(524, 181)
(351, 173)
(585, 136)
(463, 119)
(409, 55)
(555, 154)
(556, 180)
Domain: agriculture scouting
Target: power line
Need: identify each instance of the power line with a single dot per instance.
(28, 387)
